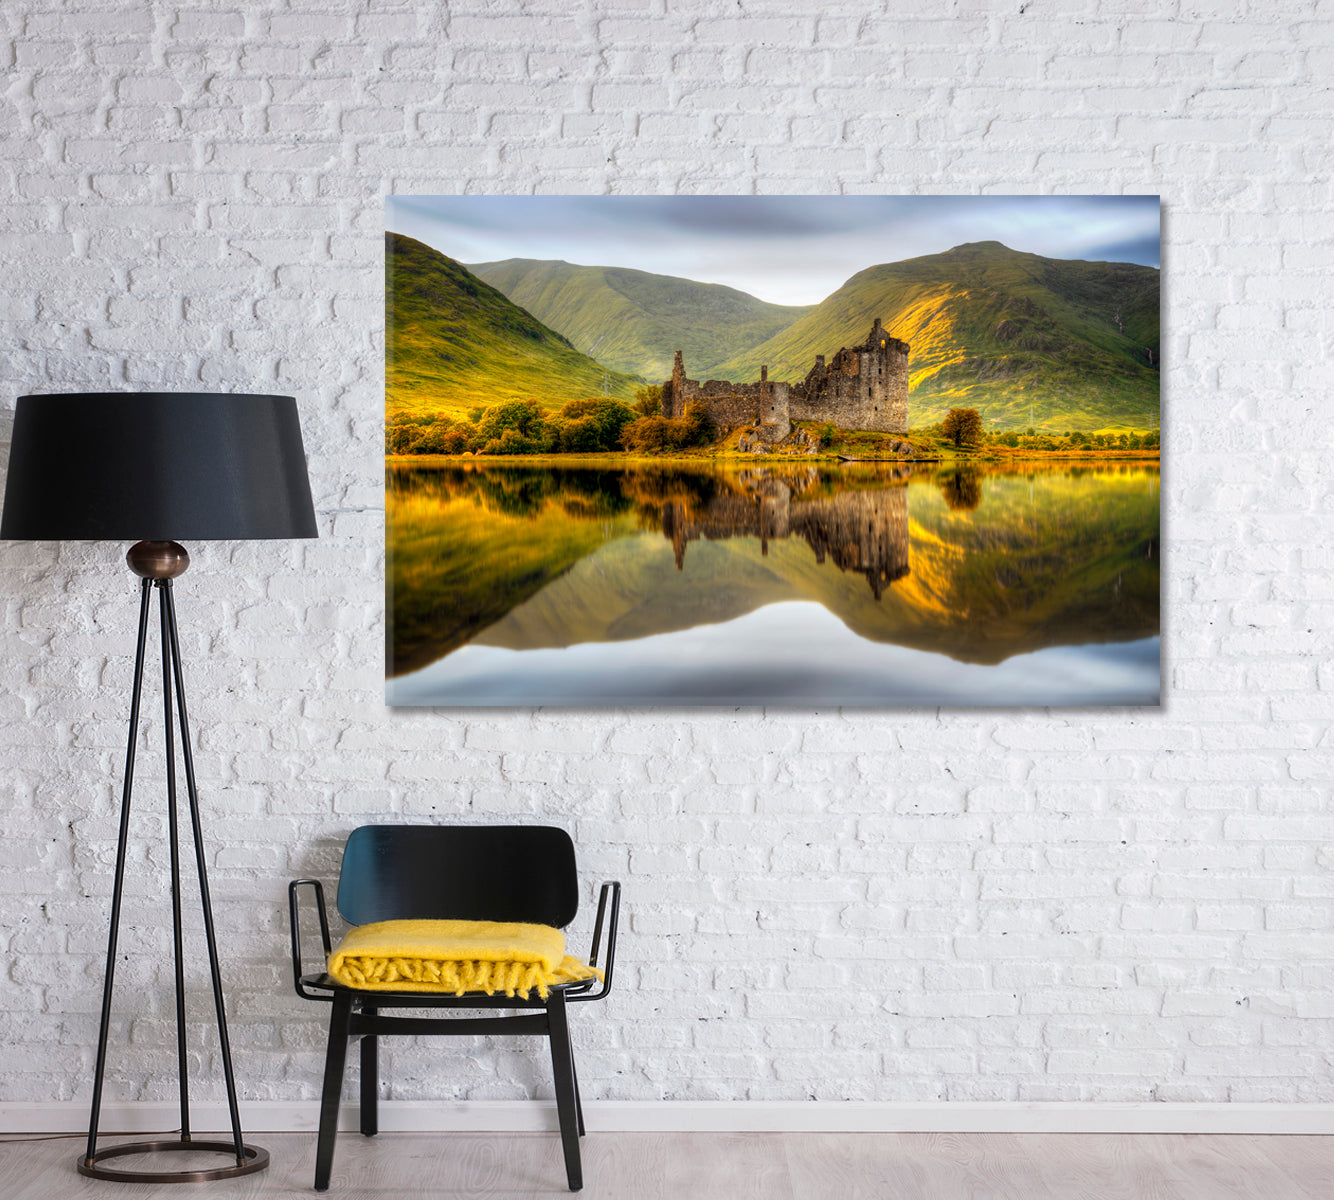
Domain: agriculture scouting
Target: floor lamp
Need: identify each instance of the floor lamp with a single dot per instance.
(157, 468)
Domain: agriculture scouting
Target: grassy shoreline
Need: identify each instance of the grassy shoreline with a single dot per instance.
(705, 454)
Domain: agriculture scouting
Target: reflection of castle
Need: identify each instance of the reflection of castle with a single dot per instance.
(865, 387)
(866, 532)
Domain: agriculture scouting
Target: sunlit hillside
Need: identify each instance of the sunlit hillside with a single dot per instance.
(1026, 340)
(454, 342)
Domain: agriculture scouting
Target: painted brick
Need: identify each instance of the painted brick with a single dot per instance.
(1089, 900)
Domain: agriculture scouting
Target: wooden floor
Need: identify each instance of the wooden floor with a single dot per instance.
(737, 1166)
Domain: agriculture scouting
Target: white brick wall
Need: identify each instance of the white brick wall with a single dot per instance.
(1110, 905)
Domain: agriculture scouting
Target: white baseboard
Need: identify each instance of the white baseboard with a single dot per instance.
(710, 1116)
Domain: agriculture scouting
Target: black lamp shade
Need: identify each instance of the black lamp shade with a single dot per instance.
(156, 466)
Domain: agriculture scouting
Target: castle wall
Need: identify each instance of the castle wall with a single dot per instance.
(865, 387)
(730, 404)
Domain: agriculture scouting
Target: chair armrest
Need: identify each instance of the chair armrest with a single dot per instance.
(609, 911)
(295, 916)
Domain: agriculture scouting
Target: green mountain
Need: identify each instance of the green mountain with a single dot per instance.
(1054, 343)
(633, 321)
(453, 342)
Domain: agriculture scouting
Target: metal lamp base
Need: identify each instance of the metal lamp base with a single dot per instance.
(157, 564)
(255, 1160)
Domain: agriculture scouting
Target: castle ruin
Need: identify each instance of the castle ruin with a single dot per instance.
(862, 387)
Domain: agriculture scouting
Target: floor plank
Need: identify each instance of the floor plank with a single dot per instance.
(1307, 1160)
(917, 1166)
(736, 1166)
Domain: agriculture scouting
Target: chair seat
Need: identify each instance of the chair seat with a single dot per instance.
(326, 982)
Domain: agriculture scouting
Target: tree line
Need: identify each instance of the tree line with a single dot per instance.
(589, 426)
(962, 428)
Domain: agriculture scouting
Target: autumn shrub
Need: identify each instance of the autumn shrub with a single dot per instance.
(418, 433)
(654, 435)
(650, 435)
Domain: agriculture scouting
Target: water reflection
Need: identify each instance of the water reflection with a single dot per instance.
(861, 531)
(961, 487)
(601, 569)
(789, 654)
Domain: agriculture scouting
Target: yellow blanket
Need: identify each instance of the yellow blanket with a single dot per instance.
(456, 956)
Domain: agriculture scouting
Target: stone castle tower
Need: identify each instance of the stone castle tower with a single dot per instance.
(862, 387)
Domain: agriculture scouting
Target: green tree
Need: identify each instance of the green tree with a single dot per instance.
(648, 400)
(525, 417)
(509, 442)
(608, 416)
(401, 436)
(962, 426)
(581, 436)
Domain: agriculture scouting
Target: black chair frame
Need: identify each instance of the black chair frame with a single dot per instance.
(357, 1013)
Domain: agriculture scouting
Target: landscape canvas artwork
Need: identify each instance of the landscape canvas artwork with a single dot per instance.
(801, 451)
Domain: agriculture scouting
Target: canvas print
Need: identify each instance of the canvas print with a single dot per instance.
(742, 450)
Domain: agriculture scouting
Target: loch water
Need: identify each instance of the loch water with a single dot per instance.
(773, 584)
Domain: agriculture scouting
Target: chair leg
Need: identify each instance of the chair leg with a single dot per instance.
(567, 1103)
(370, 1082)
(340, 1021)
(578, 1099)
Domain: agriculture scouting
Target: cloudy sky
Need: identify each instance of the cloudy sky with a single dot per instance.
(784, 249)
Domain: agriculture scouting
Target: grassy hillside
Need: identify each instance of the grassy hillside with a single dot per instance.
(634, 321)
(454, 342)
(1023, 339)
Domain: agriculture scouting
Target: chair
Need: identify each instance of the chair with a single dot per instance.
(494, 873)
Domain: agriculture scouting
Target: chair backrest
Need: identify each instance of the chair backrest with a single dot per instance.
(463, 872)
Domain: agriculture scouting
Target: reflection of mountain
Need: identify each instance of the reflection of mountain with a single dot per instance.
(466, 547)
(529, 557)
(866, 531)
(1048, 559)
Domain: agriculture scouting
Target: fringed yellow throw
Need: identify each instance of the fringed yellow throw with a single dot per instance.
(456, 956)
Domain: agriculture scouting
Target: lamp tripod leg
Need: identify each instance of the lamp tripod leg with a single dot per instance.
(108, 980)
(169, 614)
(173, 832)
